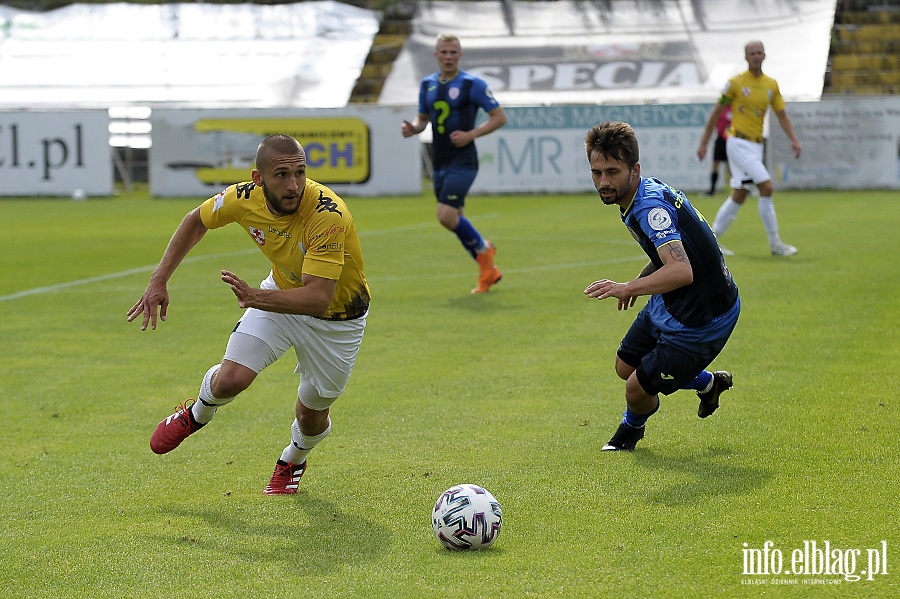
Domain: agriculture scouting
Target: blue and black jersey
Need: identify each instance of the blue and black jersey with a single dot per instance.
(660, 214)
(453, 106)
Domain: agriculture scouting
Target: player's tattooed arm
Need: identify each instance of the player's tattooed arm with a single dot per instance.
(677, 253)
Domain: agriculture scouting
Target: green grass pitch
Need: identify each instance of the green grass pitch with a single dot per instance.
(513, 390)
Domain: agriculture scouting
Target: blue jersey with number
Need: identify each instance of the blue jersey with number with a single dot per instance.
(453, 106)
(661, 214)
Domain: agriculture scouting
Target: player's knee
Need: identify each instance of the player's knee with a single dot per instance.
(623, 370)
(448, 216)
(231, 379)
(448, 221)
(636, 396)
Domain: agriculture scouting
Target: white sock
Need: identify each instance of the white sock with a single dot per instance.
(725, 216)
(770, 221)
(301, 445)
(206, 405)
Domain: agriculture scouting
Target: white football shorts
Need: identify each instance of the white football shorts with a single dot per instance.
(745, 161)
(326, 349)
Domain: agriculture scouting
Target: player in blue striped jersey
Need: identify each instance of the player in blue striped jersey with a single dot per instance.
(449, 99)
(694, 302)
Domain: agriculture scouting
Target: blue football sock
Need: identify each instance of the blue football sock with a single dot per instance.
(637, 421)
(468, 236)
(702, 382)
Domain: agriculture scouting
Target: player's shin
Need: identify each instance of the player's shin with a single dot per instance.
(301, 444)
(206, 405)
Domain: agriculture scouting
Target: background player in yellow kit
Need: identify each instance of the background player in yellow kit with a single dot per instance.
(315, 300)
(750, 95)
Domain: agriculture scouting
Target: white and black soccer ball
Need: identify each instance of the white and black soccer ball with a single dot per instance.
(466, 517)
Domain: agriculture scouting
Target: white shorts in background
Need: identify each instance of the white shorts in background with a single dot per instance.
(326, 349)
(745, 161)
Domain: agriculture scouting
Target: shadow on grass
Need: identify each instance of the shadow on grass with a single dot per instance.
(710, 473)
(486, 303)
(326, 538)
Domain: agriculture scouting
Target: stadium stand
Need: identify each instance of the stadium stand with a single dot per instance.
(863, 52)
(395, 27)
(865, 48)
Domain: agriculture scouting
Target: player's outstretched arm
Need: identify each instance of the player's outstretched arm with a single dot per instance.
(788, 127)
(312, 299)
(155, 301)
(408, 129)
(606, 288)
(708, 130)
(675, 272)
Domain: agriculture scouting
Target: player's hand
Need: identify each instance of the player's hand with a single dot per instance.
(242, 291)
(797, 148)
(605, 288)
(156, 297)
(407, 129)
(461, 139)
(701, 152)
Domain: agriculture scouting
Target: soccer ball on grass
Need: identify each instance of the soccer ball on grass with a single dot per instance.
(466, 517)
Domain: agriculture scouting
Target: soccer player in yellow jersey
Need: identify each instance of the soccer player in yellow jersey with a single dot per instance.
(315, 300)
(750, 95)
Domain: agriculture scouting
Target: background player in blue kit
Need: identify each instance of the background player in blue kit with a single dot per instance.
(694, 302)
(450, 99)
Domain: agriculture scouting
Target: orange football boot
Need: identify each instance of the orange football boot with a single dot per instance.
(488, 274)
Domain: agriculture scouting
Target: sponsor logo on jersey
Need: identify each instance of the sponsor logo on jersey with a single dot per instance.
(333, 247)
(284, 234)
(243, 190)
(331, 232)
(326, 203)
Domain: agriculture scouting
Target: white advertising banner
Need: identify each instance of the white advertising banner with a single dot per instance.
(848, 143)
(185, 54)
(55, 153)
(355, 151)
(541, 148)
(852, 143)
(618, 51)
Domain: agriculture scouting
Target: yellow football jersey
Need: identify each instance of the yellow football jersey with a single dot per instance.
(320, 240)
(750, 97)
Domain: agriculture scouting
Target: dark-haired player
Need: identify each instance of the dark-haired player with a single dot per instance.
(694, 303)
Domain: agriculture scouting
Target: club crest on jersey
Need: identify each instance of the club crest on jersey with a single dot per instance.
(258, 235)
(745, 91)
(659, 219)
(219, 201)
(453, 92)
